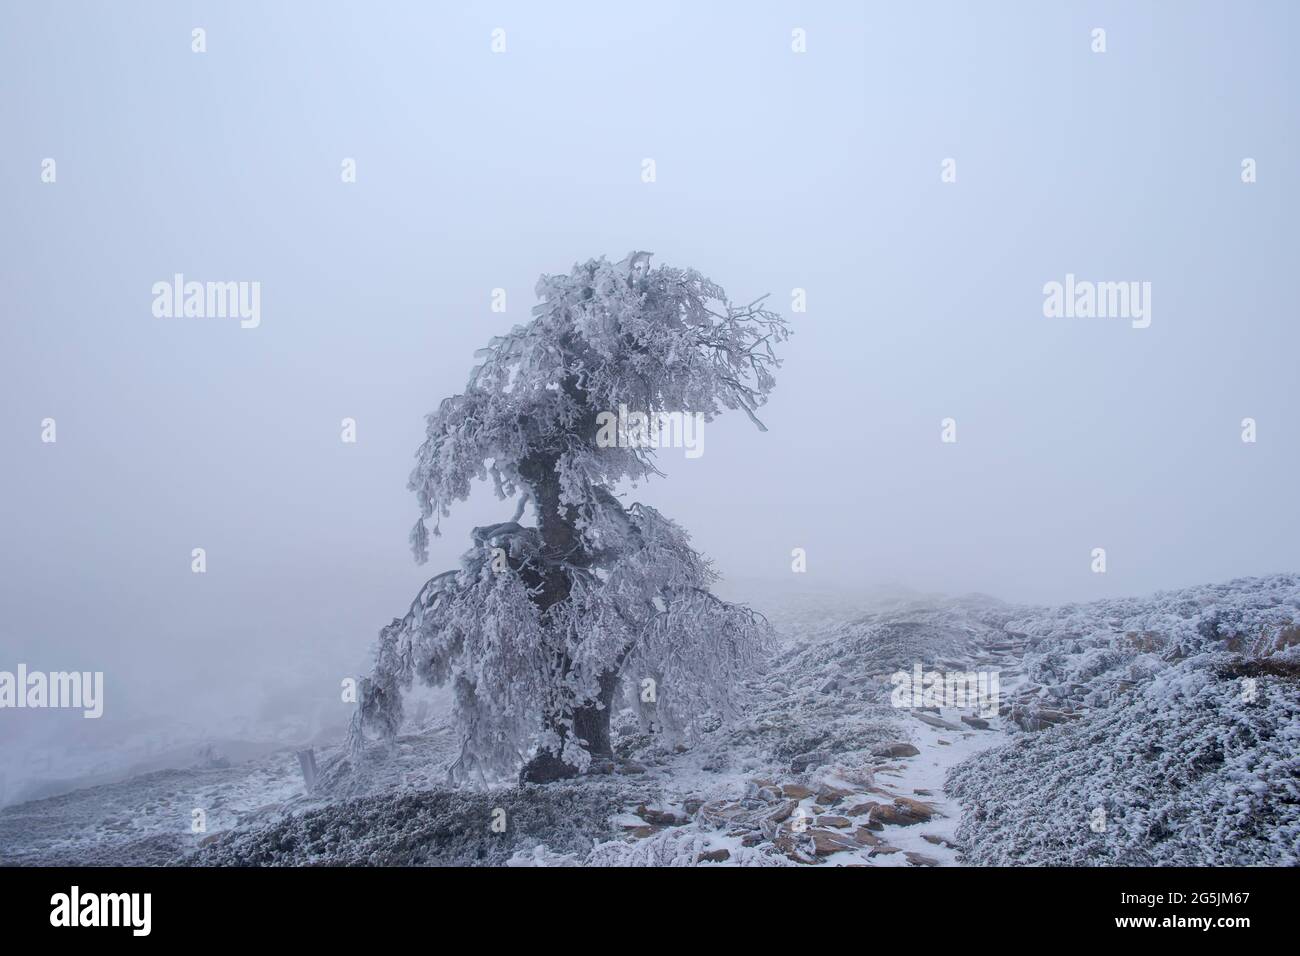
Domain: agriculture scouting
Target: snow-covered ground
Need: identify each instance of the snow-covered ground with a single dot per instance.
(1177, 715)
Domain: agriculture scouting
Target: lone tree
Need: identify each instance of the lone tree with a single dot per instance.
(541, 624)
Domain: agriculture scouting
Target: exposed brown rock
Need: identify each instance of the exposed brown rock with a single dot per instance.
(938, 840)
(838, 823)
(900, 749)
(830, 796)
(788, 844)
(917, 806)
(899, 814)
(663, 818)
(728, 813)
(866, 837)
(783, 811)
(825, 842)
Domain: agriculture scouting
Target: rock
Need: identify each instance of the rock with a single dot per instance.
(938, 840)
(752, 839)
(783, 811)
(692, 805)
(866, 837)
(976, 722)
(796, 791)
(663, 818)
(899, 749)
(714, 856)
(809, 761)
(642, 832)
(789, 845)
(883, 850)
(1025, 719)
(838, 823)
(825, 842)
(920, 859)
(924, 793)
(832, 795)
(721, 813)
(916, 806)
(943, 743)
(858, 809)
(899, 815)
(630, 768)
(212, 838)
(935, 721)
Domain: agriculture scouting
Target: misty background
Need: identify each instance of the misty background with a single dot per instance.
(476, 171)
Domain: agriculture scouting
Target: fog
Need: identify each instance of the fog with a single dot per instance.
(476, 171)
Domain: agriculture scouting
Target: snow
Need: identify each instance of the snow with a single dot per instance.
(1177, 715)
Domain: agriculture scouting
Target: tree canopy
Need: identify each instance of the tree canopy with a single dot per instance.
(540, 625)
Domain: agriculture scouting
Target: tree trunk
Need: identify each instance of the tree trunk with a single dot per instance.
(560, 538)
(590, 723)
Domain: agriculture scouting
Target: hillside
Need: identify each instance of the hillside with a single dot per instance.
(1177, 716)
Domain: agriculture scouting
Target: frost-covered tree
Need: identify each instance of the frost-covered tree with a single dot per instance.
(542, 625)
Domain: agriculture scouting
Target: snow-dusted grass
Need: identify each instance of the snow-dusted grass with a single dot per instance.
(1147, 706)
(425, 828)
(1187, 772)
(1190, 761)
